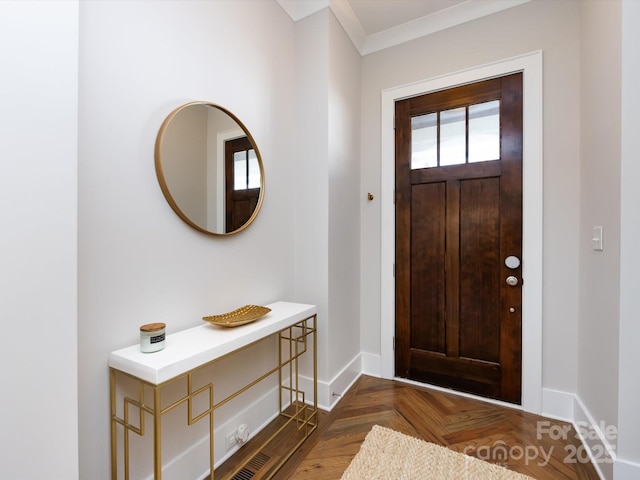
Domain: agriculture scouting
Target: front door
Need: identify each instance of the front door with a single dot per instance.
(459, 238)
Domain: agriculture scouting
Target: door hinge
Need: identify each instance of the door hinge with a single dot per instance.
(394, 270)
(394, 122)
(394, 344)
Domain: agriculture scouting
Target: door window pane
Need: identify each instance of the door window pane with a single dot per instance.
(254, 170)
(456, 136)
(453, 136)
(246, 171)
(484, 131)
(424, 141)
(240, 170)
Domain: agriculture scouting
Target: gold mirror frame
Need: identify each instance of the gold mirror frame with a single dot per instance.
(161, 169)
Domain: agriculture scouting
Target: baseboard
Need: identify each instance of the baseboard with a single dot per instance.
(596, 446)
(371, 364)
(595, 440)
(557, 404)
(330, 393)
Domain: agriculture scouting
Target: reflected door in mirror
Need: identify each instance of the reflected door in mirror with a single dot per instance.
(242, 182)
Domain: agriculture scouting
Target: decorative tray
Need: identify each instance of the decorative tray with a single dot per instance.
(241, 316)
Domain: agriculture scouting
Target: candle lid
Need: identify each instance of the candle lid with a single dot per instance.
(152, 327)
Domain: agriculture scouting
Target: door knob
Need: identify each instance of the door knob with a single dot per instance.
(512, 281)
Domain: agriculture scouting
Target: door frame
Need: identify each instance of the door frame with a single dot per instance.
(215, 178)
(531, 66)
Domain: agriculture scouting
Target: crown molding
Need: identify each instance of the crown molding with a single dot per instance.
(438, 21)
(298, 10)
(420, 27)
(347, 18)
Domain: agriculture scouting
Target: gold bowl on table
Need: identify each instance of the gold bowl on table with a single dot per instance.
(241, 316)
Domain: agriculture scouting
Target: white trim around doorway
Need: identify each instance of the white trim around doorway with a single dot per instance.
(531, 66)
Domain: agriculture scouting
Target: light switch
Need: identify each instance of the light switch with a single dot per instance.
(596, 239)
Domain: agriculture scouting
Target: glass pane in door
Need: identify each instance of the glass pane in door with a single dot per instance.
(453, 136)
(484, 131)
(254, 170)
(240, 170)
(424, 141)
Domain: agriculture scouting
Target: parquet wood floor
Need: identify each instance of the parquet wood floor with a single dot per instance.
(490, 432)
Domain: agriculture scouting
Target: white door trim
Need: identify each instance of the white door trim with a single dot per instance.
(531, 66)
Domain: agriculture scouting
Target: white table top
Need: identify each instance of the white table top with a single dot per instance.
(196, 346)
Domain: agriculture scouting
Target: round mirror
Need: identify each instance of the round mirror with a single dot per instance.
(209, 168)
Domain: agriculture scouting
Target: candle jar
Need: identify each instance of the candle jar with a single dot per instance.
(152, 337)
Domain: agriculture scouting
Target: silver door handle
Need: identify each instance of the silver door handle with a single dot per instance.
(512, 281)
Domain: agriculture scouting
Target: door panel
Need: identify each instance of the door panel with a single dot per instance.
(428, 268)
(479, 279)
(458, 324)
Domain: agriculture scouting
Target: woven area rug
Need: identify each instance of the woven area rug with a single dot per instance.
(387, 454)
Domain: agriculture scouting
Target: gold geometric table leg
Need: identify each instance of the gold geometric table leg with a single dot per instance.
(114, 439)
(157, 435)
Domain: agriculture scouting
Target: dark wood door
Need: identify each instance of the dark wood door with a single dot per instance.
(458, 218)
(242, 182)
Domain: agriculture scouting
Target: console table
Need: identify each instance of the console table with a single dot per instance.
(192, 350)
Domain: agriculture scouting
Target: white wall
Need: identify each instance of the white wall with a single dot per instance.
(38, 201)
(552, 27)
(138, 262)
(629, 380)
(311, 174)
(345, 200)
(599, 276)
(327, 191)
(608, 382)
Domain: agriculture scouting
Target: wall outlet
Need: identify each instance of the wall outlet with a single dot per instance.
(242, 434)
(230, 441)
(238, 437)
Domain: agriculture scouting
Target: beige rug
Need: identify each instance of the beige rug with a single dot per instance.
(389, 455)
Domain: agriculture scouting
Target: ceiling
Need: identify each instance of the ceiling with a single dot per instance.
(374, 25)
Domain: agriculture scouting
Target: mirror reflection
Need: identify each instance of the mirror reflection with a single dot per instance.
(209, 168)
